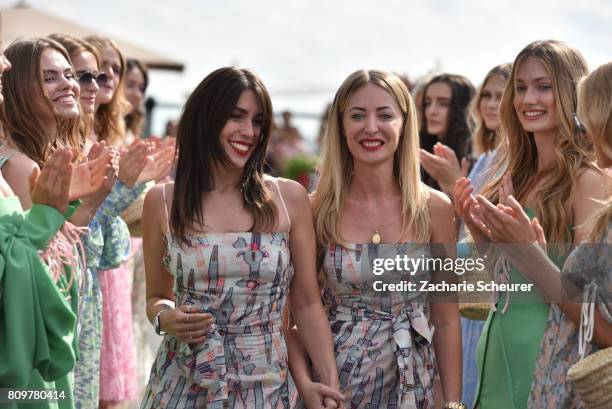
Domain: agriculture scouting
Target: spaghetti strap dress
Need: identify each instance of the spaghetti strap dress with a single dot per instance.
(242, 279)
(511, 343)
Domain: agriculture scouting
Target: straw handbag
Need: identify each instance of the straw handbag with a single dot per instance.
(591, 376)
(474, 305)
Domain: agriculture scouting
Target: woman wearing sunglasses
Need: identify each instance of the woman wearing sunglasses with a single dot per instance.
(116, 375)
(85, 60)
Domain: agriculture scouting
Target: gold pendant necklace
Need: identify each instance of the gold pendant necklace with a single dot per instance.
(376, 237)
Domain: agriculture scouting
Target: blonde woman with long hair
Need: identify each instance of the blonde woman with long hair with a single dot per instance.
(370, 198)
(551, 175)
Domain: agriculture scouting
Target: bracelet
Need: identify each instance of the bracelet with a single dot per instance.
(157, 324)
(454, 405)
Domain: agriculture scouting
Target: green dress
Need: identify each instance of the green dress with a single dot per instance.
(37, 316)
(510, 345)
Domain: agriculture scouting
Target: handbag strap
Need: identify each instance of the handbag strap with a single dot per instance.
(587, 317)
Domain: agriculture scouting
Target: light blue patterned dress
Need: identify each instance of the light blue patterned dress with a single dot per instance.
(106, 246)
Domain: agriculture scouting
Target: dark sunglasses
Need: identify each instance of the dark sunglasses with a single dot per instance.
(89, 77)
(579, 129)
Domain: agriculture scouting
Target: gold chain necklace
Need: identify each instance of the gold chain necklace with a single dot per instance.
(376, 238)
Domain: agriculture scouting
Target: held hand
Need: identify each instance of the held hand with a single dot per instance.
(158, 166)
(51, 186)
(186, 323)
(319, 396)
(132, 162)
(90, 176)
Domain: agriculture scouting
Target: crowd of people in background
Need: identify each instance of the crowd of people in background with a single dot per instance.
(110, 238)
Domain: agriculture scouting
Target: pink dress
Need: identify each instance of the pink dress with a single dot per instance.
(118, 380)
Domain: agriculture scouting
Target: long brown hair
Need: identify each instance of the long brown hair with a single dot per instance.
(22, 85)
(337, 162)
(73, 46)
(205, 114)
(566, 66)
(109, 121)
(135, 119)
(484, 139)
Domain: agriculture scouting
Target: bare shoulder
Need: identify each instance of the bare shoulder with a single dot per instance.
(439, 205)
(442, 217)
(154, 199)
(311, 199)
(593, 182)
(293, 193)
(18, 168)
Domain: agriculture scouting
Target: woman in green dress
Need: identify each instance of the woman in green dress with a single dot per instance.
(586, 272)
(37, 319)
(552, 175)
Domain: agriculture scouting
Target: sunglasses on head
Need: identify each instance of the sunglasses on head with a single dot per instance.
(89, 77)
(579, 129)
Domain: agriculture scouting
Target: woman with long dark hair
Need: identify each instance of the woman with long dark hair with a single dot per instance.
(223, 246)
(444, 118)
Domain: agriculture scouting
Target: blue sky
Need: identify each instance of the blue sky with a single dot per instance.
(304, 49)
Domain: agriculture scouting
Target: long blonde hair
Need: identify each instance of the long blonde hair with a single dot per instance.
(595, 112)
(109, 121)
(337, 162)
(566, 67)
(483, 138)
(22, 85)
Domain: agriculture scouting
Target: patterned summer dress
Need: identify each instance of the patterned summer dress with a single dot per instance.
(107, 246)
(242, 279)
(382, 340)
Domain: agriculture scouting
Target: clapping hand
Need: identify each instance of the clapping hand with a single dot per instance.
(443, 166)
(91, 202)
(89, 177)
(133, 161)
(467, 208)
(51, 186)
(159, 165)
